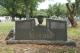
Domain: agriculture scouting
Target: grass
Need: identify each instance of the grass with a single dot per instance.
(6, 50)
(74, 32)
(6, 27)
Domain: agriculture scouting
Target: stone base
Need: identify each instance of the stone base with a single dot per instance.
(42, 42)
(11, 40)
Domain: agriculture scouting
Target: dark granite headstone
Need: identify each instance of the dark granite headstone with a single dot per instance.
(26, 30)
(42, 33)
(59, 29)
(23, 29)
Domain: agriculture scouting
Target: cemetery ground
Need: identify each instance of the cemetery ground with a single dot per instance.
(73, 33)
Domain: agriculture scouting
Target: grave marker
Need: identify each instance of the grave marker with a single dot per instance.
(59, 28)
(23, 29)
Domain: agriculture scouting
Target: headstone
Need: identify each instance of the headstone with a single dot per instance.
(23, 29)
(26, 30)
(42, 33)
(59, 28)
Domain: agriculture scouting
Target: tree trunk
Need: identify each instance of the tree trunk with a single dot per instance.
(27, 13)
(20, 18)
(13, 15)
(31, 12)
(71, 15)
(13, 18)
(72, 21)
(13, 10)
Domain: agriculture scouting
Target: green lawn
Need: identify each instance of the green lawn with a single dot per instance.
(74, 32)
(6, 27)
(6, 50)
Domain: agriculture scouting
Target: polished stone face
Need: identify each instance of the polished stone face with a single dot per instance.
(23, 29)
(59, 28)
(53, 31)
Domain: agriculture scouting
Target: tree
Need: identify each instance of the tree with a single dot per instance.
(3, 11)
(20, 8)
(41, 12)
(10, 6)
(30, 6)
(71, 13)
(57, 9)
